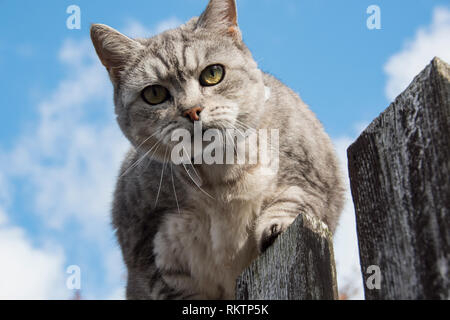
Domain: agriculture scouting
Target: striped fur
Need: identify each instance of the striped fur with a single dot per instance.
(187, 232)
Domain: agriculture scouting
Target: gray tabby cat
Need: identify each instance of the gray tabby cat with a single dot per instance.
(188, 231)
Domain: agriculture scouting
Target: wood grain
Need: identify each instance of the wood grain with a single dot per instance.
(400, 180)
(298, 266)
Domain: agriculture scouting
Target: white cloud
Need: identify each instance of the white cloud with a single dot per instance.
(5, 196)
(430, 41)
(84, 156)
(71, 161)
(3, 217)
(27, 272)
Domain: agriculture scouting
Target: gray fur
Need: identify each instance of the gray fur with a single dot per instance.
(190, 240)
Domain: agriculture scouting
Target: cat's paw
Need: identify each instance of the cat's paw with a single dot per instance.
(268, 230)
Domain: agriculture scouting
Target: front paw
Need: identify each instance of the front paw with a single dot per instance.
(268, 231)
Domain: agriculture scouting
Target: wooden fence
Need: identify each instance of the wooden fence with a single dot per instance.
(399, 171)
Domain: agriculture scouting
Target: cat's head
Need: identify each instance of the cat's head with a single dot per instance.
(199, 71)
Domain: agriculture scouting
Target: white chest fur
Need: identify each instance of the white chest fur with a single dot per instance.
(213, 240)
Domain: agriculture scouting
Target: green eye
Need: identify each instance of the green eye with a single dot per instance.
(212, 75)
(154, 95)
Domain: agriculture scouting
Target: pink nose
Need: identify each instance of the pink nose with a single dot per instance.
(193, 113)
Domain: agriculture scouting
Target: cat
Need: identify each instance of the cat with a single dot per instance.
(187, 231)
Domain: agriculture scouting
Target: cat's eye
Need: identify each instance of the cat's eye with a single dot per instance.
(154, 95)
(212, 75)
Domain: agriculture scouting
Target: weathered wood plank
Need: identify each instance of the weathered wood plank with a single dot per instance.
(400, 180)
(298, 266)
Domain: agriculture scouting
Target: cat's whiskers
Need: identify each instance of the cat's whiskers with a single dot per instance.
(151, 136)
(162, 175)
(193, 180)
(137, 162)
(169, 130)
(193, 167)
(138, 148)
(222, 130)
(228, 135)
(240, 129)
(245, 127)
(153, 153)
(195, 171)
(173, 185)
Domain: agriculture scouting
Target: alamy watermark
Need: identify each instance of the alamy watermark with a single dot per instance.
(374, 279)
(73, 281)
(225, 146)
(74, 19)
(374, 20)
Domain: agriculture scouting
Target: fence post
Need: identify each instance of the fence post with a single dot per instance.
(400, 180)
(298, 266)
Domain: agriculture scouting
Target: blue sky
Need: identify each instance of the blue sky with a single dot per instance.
(60, 147)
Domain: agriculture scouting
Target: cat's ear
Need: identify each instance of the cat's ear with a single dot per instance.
(221, 16)
(113, 48)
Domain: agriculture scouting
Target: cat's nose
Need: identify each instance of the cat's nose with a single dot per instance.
(193, 113)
